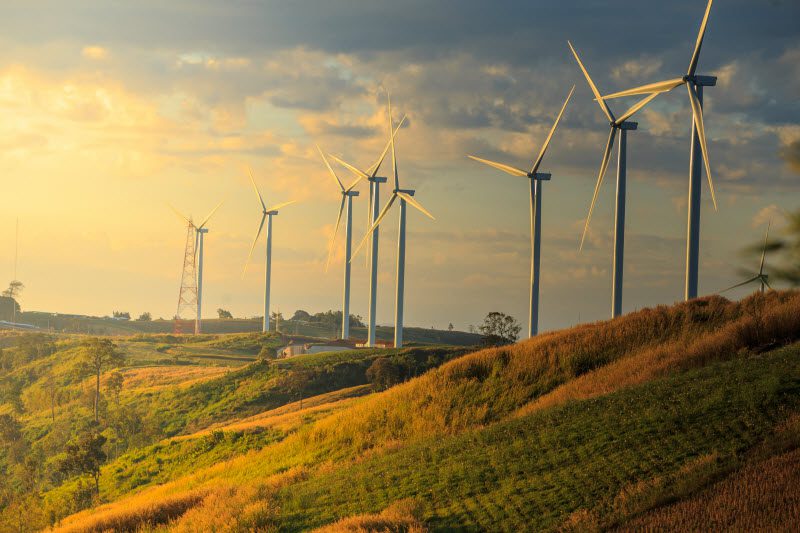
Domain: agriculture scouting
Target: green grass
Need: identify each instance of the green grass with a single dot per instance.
(531, 473)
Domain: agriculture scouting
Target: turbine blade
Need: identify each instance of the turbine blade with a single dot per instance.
(764, 250)
(374, 225)
(603, 167)
(258, 234)
(600, 101)
(697, 112)
(350, 167)
(764, 280)
(278, 206)
(335, 231)
(552, 131)
(699, 44)
(181, 215)
(505, 168)
(636, 107)
(391, 137)
(658, 87)
(751, 280)
(330, 168)
(411, 200)
(377, 165)
(211, 214)
(255, 188)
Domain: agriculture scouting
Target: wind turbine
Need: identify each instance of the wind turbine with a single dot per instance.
(694, 84)
(622, 125)
(266, 215)
(371, 175)
(347, 202)
(200, 232)
(405, 196)
(535, 178)
(761, 278)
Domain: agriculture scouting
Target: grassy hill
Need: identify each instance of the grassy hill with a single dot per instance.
(653, 420)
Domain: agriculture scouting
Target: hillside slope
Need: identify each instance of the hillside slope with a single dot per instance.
(586, 428)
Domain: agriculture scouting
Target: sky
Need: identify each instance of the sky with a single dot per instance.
(113, 110)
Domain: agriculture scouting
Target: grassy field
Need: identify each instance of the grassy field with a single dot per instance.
(642, 421)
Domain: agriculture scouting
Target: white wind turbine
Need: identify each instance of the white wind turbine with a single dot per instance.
(347, 203)
(405, 196)
(371, 175)
(694, 85)
(200, 232)
(761, 278)
(266, 215)
(622, 125)
(535, 178)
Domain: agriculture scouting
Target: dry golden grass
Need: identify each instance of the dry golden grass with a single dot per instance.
(140, 514)
(402, 516)
(246, 507)
(290, 417)
(153, 377)
(778, 322)
(763, 496)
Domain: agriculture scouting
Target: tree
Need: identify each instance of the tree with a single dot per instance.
(98, 355)
(145, 317)
(114, 385)
(297, 381)
(383, 373)
(301, 315)
(85, 456)
(787, 248)
(499, 328)
(223, 313)
(450, 327)
(277, 318)
(14, 289)
(122, 315)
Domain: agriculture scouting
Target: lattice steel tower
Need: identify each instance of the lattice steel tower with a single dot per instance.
(187, 297)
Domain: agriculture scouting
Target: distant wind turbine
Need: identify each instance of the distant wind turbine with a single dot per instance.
(371, 175)
(535, 178)
(694, 85)
(266, 215)
(761, 278)
(347, 203)
(405, 196)
(622, 125)
(200, 231)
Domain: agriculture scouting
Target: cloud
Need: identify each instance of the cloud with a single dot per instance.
(94, 52)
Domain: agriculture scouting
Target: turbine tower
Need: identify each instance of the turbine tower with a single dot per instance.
(191, 291)
(761, 278)
(535, 179)
(694, 84)
(371, 175)
(405, 196)
(266, 215)
(622, 125)
(347, 203)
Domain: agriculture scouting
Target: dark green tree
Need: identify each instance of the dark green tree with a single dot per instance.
(223, 313)
(499, 328)
(85, 456)
(384, 373)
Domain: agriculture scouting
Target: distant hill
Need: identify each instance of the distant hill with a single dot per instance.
(682, 417)
(111, 326)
